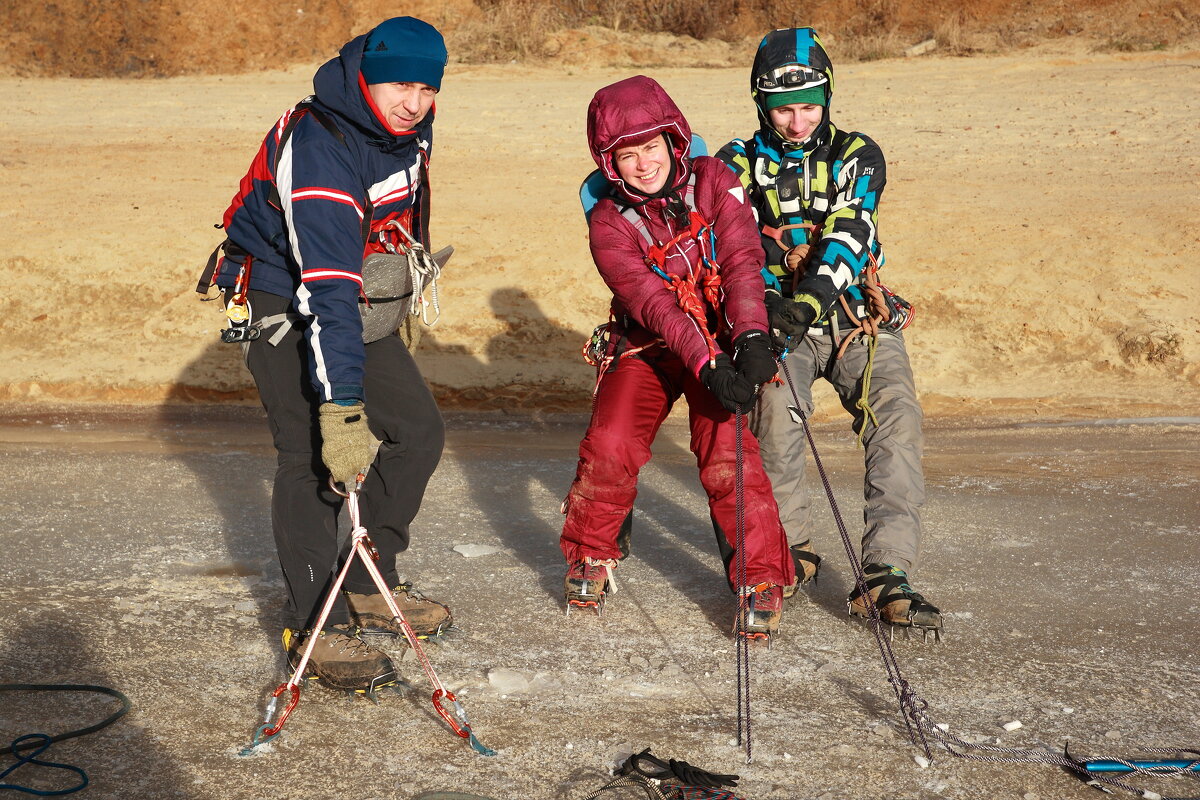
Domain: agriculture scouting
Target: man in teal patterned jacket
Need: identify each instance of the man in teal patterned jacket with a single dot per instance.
(816, 190)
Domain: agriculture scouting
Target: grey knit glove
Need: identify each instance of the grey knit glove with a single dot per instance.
(346, 442)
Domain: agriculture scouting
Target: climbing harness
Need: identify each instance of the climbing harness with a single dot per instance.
(691, 290)
(600, 352)
(40, 742)
(668, 780)
(886, 312)
(698, 285)
(914, 709)
(362, 547)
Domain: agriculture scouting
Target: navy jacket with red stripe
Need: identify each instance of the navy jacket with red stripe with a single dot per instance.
(310, 246)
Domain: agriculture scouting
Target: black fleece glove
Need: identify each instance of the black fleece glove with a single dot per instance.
(733, 391)
(789, 320)
(753, 357)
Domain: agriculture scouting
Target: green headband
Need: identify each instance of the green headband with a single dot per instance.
(813, 94)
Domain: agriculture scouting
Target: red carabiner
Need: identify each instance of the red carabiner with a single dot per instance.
(437, 705)
(287, 710)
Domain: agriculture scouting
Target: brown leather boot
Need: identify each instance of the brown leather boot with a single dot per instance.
(341, 660)
(898, 603)
(371, 614)
(808, 565)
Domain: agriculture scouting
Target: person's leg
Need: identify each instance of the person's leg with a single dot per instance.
(629, 408)
(894, 484)
(784, 448)
(714, 442)
(404, 416)
(781, 439)
(303, 508)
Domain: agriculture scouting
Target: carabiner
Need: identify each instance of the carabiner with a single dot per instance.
(292, 702)
(358, 482)
(438, 695)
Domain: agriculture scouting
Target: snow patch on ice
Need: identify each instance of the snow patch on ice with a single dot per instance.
(505, 681)
(477, 550)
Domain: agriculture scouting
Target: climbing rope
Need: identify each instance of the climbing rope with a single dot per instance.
(877, 313)
(742, 650)
(915, 710)
(863, 403)
(40, 742)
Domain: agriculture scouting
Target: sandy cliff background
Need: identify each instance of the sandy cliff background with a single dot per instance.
(1040, 212)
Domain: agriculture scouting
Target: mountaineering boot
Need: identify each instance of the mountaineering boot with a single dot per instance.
(624, 534)
(341, 660)
(587, 583)
(808, 566)
(763, 607)
(371, 614)
(898, 603)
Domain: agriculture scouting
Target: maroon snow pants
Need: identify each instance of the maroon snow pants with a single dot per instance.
(631, 404)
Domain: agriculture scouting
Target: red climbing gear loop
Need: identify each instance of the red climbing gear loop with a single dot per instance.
(704, 281)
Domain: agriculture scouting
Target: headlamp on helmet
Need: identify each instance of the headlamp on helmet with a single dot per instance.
(793, 83)
(791, 77)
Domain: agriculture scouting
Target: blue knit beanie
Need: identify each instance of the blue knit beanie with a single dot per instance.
(404, 50)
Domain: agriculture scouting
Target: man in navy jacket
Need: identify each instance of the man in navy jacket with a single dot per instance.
(329, 184)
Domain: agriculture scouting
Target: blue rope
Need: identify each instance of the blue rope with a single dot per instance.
(39, 742)
(32, 758)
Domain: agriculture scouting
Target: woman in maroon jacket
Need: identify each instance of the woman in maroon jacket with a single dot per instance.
(677, 244)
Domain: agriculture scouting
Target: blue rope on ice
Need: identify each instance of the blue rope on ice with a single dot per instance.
(24, 742)
(39, 742)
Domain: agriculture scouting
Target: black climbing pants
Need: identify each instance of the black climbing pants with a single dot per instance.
(402, 414)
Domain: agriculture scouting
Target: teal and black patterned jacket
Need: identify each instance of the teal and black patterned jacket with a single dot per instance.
(833, 180)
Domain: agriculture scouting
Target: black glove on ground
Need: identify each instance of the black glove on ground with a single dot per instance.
(788, 319)
(753, 357)
(733, 391)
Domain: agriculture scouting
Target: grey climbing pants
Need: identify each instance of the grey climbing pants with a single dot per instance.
(894, 485)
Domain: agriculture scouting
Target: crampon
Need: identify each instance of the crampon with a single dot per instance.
(898, 604)
(759, 610)
(588, 583)
(808, 567)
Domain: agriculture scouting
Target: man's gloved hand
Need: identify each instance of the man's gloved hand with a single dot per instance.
(733, 391)
(753, 357)
(346, 442)
(789, 319)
